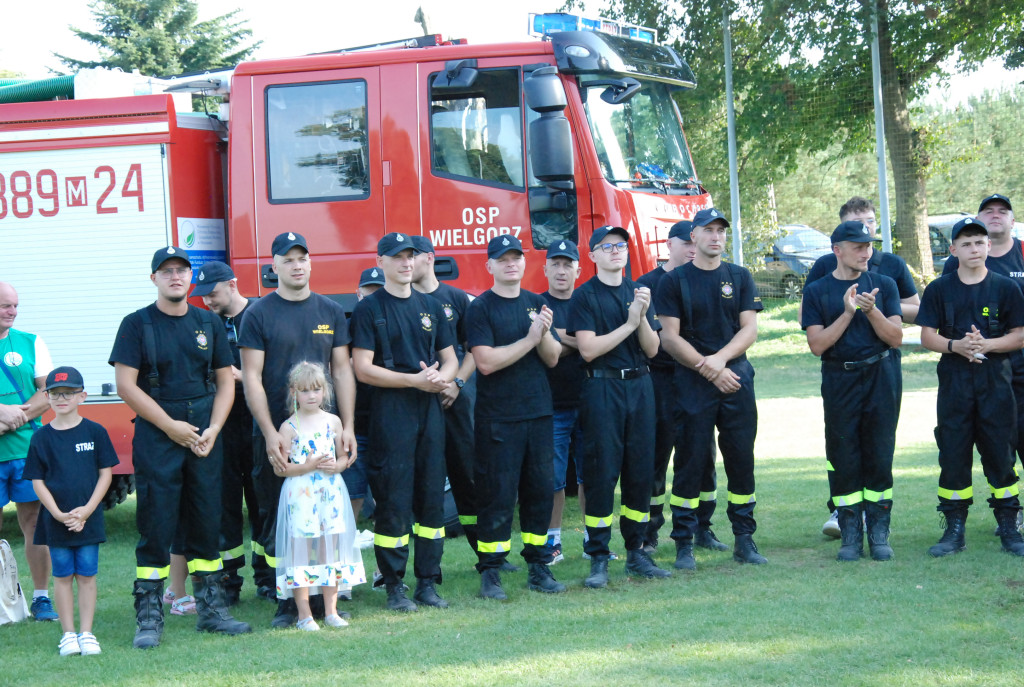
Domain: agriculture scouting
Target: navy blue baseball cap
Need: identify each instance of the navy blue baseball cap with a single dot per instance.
(707, 216)
(286, 241)
(169, 253)
(972, 222)
(422, 244)
(211, 274)
(994, 197)
(563, 248)
(394, 243)
(852, 230)
(681, 230)
(64, 377)
(601, 232)
(501, 244)
(371, 276)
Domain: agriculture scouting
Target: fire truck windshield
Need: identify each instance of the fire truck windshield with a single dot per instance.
(640, 141)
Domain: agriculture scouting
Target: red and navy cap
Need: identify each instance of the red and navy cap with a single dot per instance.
(64, 378)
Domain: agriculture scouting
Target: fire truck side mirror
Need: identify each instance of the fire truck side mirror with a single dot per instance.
(457, 75)
(551, 154)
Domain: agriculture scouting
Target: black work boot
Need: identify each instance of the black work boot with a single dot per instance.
(508, 567)
(851, 535)
(211, 607)
(684, 557)
(397, 600)
(286, 614)
(231, 581)
(1009, 535)
(490, 585)
(952, 540)
(705, 538)
(598, 578)
(426, 594)
(640, 564)
(745, 551)
(540, 579)
(878, 515)
(149, 613)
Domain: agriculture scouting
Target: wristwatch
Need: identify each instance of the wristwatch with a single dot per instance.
(460, 382)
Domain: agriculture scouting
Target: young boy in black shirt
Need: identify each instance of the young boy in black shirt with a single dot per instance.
(975, 318)
(69, 462)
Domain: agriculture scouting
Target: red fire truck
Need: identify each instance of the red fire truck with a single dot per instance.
(546, 139)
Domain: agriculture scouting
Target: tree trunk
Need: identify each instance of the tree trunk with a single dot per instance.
(908, 156)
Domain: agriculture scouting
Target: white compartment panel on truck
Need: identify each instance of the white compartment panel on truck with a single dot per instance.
(78, 228)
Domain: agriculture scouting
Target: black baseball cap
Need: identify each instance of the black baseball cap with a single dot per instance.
(601, 232)
(681, 230)
(501, 244)
(64, 377)
(852, 230)
(169, 253)
(211, 274)
(994, 197)
(707, 216)
(422, 244)
(394, 243)
(371, 276)
(972, 222)
(563, 248)
(286, 241)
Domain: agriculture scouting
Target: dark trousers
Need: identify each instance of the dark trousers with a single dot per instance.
(664, 442)
(1017, 361)
(700, 408)
(972, 406)
(406, 472)
(236, 487)
(861, 413)
(618, 420)
(514, 459)
(267, 487)
(459, 459)
(174, 485)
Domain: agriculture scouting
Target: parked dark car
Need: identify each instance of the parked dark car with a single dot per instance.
(784, 267)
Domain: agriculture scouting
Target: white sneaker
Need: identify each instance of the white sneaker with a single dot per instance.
(831, 526)
(335, 621)
(69, 645)
(307, 625)
(89, 645)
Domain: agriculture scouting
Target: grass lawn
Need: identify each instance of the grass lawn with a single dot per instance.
(804, 619)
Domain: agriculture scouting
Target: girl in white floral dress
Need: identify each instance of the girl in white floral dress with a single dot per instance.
(316, 530)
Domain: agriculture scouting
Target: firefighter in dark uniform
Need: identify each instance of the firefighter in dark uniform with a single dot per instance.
(217, 286)
(510, 337)
(861, 210)
(403, 346)
(708, 311)
(680, 251)
(852, 320)
(615, 328)
(975, 318)
(172, 364)
(283, 328)
(457, 399)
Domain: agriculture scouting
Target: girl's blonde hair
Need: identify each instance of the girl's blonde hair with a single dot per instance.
(307, 375)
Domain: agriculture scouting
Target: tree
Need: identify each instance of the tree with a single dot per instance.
(162, 37)
(825, 46)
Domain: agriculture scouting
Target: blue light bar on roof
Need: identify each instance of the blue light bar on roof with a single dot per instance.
(542, 25)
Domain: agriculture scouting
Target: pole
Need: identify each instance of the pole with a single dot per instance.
(734, 182)
(883, 181)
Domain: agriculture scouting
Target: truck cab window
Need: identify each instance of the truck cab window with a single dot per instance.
(317, 142)
(477, 133)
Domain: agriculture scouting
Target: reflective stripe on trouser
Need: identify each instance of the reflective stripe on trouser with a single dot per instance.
(406, 474)
(458, 455)
(514, 460)
(143, 573)
(238, 491)
(861, 413)
(618, 420)
(971, 408)
(175, 488)
(735, 416)
(267, 487)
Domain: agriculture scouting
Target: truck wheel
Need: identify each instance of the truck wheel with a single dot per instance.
(120, 487)
(792, 288)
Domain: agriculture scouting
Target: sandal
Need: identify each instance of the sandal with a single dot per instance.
(186, 605)
(308, 625)
(335, 621)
